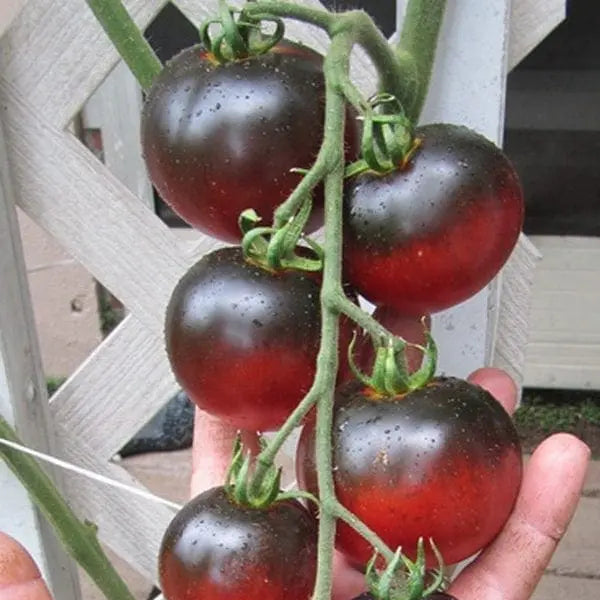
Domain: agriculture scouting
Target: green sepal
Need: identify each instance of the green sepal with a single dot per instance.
(296, 494)
(276, 248)
(241, 485)
(356, 168)
(284, 240)
(257, 41)
(238, 39)
(358, 374)
(402, 578)
(387, 140)
(423, 375)
(231, 32)
(389, 373)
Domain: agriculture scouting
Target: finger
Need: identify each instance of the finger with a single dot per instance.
(347, 581)
(499, 384)
(212, 450)
(20, 579)
(511, 567)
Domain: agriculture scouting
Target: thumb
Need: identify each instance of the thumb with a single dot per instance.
(20, 578)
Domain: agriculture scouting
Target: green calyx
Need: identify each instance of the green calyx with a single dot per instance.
(277, 248)
(390, 375)
(256, 491)
(387, 141)
(236, 39)
(403, 579)
(240, 485)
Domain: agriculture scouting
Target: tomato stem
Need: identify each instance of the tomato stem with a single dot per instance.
(341, 512)
(363, 319)
(127, 39)
(416, 50)
(78, 538)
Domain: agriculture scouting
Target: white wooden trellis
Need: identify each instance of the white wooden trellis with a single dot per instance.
(51, 60)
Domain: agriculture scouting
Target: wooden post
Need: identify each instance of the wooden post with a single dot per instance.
(23, 400)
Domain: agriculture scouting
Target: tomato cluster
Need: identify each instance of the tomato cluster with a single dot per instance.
(219, 138)
(243, 334)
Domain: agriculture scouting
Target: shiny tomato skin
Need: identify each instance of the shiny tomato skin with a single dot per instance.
(214, 549)
(431, 235)
(441, 462)
(243, 341)
(220, 138)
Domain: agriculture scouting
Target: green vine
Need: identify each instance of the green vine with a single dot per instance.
(404, 74)
(78, 538)
(127, 39)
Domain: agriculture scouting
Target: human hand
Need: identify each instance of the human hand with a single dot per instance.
(512, 565)
(20, 579)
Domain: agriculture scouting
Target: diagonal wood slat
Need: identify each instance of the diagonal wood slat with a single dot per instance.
(56, 54)
(531, 21)
(97, 220)
(131, 526)
(52, 59)
(116, 390)
(514, 308)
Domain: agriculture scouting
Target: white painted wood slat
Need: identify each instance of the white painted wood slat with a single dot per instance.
(468, 87)
(99, 222)
(531, 22)
(116, 391)
(56, 54)
(564, 345)
(114, 109)
(129, 525)
(23, 400)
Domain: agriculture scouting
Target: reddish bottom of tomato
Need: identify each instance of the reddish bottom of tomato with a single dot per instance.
(243, 390)
(457, 506)
(435, 272)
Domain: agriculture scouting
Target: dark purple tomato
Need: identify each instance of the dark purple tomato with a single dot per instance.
(441, 462)
(243, 340)
(428, 236)
(215, 549)
(220, 138)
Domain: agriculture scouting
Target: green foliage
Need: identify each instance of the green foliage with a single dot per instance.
(553, 412)
(53, 383)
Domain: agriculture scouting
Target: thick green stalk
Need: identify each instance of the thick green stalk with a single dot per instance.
(341, 512)
(127, 39)
(416, 48)
(327, 361)
(78, 538)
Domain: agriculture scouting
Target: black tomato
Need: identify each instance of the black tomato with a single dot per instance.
(441, 462)
(215, 549)
(220, 138)
(426, 237)
(243, 341)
